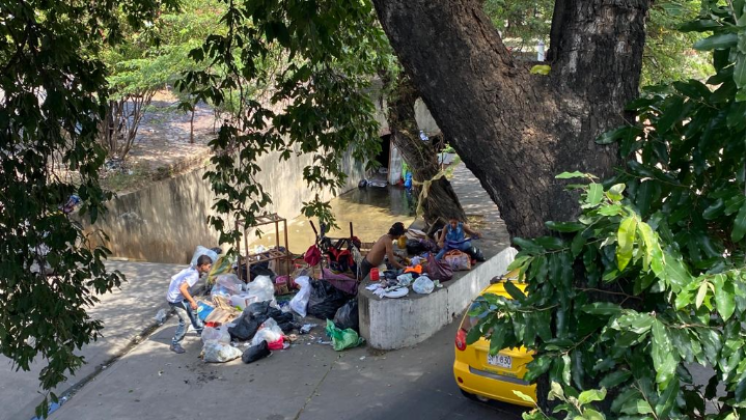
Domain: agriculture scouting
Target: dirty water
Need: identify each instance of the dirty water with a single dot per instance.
(371, 210)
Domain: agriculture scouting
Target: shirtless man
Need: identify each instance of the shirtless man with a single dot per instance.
(383, 247)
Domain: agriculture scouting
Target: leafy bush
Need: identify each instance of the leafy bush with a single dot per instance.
(650, 279)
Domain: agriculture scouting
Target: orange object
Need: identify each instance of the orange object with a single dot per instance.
(374, 274)
(418, 269)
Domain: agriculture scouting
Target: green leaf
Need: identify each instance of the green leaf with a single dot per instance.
(739, 71)
(674, 107)
(667, 399)
(523, 396)
(615, 378)
(650, 245)
(702, 291)
(497, 340)
(592, 395)
(592, 414)
(473, 335)
(594, 194)
(565, 226)
(624, 399)
(514, 291)
(717, 41)
(738, 231)
(621, 133)
(725, 294)
(569, 175)
(714, 210)
(601, 308)
(615, 192)
(675, 272)
(662, 354)
(578, 244)
(700, 25)
(541, 69)
(537, 367)
(626, 241)
(518, 262)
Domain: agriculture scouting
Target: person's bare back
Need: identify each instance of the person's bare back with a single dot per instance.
(381, 248)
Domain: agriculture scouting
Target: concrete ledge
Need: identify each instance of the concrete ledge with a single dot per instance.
(390, 324)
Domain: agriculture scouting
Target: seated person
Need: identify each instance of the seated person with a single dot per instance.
(452, 237)
(382, 248)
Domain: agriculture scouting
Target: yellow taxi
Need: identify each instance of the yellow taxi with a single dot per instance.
(482, 376)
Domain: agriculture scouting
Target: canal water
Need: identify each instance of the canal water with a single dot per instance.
(371, 210)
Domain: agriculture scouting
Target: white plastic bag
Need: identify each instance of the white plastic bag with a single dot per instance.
(231, 283)
(218, 335)
(269, 331)
(405, 279)
(201, 250)
(423, 285)
(301, 299)
(219, 352)
(260, 290)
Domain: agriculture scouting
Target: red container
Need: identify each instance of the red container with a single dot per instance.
(374, 274)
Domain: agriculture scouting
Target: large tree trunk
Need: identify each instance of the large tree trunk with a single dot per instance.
(516, 131)
(440, 200)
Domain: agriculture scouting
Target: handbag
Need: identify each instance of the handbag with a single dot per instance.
(458, 260)
(438, 270)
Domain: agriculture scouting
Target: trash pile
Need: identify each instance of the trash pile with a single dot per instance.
(261, 307)
(251, 320)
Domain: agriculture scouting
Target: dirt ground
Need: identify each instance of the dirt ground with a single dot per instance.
(163, 148)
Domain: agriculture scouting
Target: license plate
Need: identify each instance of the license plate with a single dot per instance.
(500, 361)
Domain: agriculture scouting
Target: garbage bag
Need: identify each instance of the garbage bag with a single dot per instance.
(201, 250)
(325, 300)
(299, 302)
(269, 331)
(246, 325)
(415, 247)
(216, 334)
(458, 260)
(260, 290)
(252, 318)
(347, 315)
(254, 353)
(230, 282)
(423, 285)
(220, 352)
(343, 339)
(438, 270)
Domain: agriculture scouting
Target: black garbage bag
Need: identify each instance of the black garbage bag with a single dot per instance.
(254, 353)
(476, 254)
(325, 300)
(347, 315)
(246, 325)
(253, 317)
(415, 247)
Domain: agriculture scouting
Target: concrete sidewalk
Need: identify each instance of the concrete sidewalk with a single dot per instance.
(308, 381)
(126, 313)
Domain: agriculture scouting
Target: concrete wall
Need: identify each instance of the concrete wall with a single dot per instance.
(390, 324)
(166, 221)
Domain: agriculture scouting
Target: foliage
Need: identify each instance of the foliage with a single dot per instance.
(54, 93)
(669, 54)
(322, 54)
(521, 21)
(149, 58)
(650, 279)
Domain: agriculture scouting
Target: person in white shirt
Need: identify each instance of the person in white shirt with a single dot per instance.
(182, 301)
